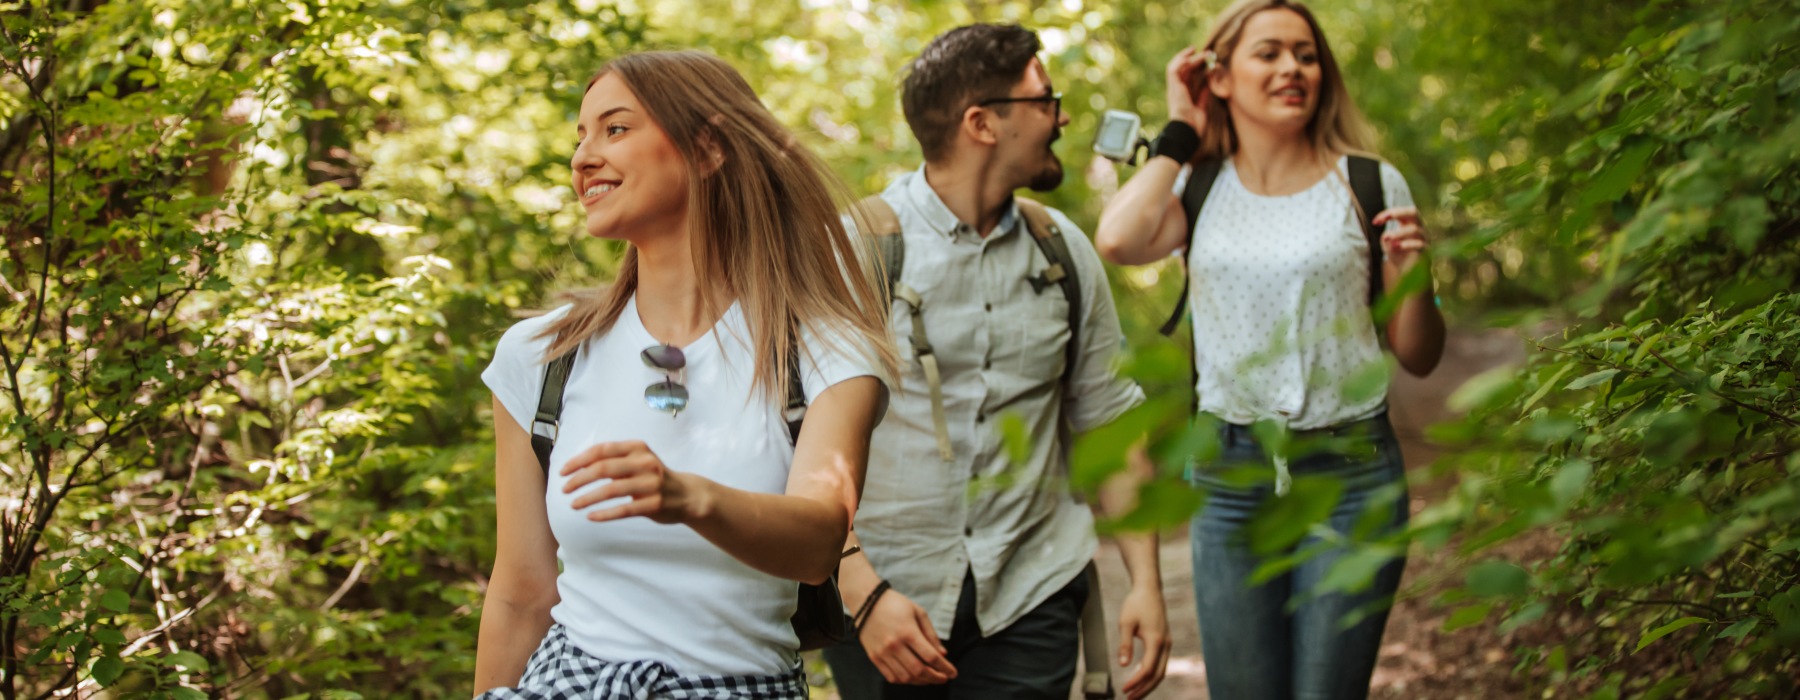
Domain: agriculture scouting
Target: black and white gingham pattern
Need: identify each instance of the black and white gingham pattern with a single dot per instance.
(560, 671)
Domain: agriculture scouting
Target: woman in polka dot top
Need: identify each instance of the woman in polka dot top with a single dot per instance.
(1288, 357)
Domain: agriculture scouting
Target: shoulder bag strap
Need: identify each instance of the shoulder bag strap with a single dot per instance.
(1199, 185)
(1061, 272)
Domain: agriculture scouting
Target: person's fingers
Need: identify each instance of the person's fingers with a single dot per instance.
(1128, 631)
(604, 450)
(635, 486)
(935, 656)
(603, 469)
(1182, 57)
(642, 506)
(1402, 213)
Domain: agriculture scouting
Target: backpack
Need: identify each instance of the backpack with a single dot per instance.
(885, 225)
(818, 619)
(1365, 187)
(879, 216)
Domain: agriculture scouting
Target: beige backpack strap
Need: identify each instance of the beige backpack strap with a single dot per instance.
(1096, 676)
(875, 215)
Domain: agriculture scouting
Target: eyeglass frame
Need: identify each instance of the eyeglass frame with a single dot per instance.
(1054, 99)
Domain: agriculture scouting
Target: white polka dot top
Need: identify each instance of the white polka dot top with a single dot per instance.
(1280, 289)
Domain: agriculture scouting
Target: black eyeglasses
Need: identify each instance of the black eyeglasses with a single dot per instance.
(1053, 99)
(668, 395)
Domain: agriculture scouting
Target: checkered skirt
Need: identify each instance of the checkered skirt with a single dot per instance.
(560, 671)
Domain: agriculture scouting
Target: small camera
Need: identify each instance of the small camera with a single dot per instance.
(1118, 137)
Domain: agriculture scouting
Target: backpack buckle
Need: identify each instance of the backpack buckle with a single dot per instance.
(548, 429)
(1051, 275)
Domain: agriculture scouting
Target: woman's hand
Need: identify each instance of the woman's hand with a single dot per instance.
(657, 492)
(1184, 105)
(1406, 243)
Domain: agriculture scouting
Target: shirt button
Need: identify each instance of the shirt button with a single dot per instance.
(980, 418)
(987, 363)
(968, 532)
(987, 307)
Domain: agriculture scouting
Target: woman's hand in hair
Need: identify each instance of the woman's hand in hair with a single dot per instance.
(1406, 243)
(1180, 76)
(656, 492)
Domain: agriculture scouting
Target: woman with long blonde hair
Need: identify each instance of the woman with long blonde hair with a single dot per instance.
(1283, 261)
(683, 518)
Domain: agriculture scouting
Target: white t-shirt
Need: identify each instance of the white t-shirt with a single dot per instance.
(1279, 291)
(633, 589)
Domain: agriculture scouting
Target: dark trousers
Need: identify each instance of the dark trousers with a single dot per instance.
(1033, 658)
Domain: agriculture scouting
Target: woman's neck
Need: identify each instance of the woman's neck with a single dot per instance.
(670, 301)
(1275, 163)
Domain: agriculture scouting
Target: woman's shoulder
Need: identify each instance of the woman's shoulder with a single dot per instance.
(525, 340)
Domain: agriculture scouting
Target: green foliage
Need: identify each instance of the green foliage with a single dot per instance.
(257, 253)
(1655, 435)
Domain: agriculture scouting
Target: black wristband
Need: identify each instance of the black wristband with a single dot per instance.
(1178, 141)
(868, 606)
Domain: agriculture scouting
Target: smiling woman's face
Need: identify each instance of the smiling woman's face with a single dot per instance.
(1273, 76)
(630, 180)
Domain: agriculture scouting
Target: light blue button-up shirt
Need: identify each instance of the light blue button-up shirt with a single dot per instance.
(1001, 348)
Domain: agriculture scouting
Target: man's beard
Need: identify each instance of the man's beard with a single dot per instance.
(1052, 175)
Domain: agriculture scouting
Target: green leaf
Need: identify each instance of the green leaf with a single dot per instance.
(1666, 630)
(108, 635)
(1570, 480)
(1616, 178)
(115, 600)
(1497, 579)
(1016, 437)
(107, 669)
(188, 660)
(186, 693)
(1467, 616)
(1592, 379)
(1740, 629)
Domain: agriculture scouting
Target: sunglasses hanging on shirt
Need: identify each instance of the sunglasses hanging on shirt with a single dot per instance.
(668, 395)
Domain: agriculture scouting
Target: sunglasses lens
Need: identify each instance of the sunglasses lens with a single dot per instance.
(664, 357)
(667, 397)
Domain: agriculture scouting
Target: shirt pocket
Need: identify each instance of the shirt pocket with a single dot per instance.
(1032, 336)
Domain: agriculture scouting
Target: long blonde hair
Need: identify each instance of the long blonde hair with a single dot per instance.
(765, 223)
(1337, 126)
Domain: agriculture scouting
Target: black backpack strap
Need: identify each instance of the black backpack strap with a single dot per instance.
(794, 411)
(1371, 199)
(1061, 272)
(1199, 185)
(549, 411)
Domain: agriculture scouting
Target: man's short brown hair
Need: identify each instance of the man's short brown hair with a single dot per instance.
(958, 69)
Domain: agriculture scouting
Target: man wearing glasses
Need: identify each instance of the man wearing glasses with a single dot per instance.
(972, 573)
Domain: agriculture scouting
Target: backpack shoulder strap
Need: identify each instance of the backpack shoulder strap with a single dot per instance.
(875, 213)
(1199, 185)
(1365, 186)
(1061, 272)
(794, 412)
(549, 411)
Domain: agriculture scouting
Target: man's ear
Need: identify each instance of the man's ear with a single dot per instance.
(978, 125)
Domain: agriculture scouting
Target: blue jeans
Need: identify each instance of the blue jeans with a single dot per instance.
(1277, 640)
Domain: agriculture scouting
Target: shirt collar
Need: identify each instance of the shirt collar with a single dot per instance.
(938, 216)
